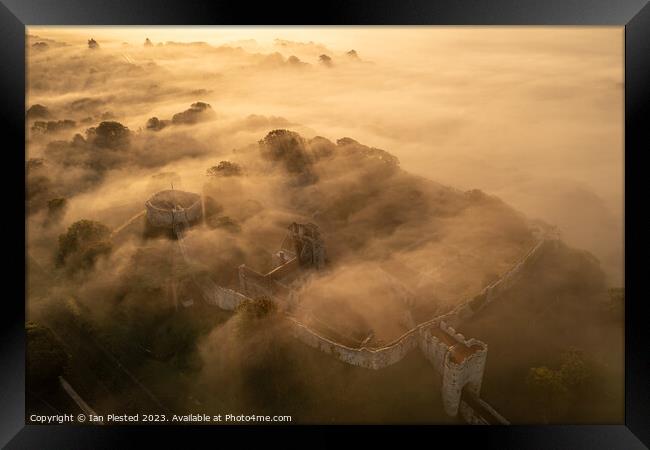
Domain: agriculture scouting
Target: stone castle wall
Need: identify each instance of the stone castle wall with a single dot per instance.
(370, 358)
(220, 297)
(458, 373)
(255, 284)
(455, 376)
(476, 411)
(492, 292)
(467, 374)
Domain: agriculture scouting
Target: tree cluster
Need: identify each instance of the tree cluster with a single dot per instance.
(225, 169)
(554, 389)
(83, 244)
(46, 359)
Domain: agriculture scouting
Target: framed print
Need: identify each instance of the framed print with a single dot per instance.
(396, 217)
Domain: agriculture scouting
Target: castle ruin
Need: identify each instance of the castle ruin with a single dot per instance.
(459, 361)
(166, 209)
(301, 249)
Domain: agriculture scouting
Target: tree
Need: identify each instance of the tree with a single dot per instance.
(252, 313)
(34, 164)
(156, 124)
(83, 243)
(198, 111)
(46, 359)
(267, 368)
(224, 169)
(555, 389)
(52, 126)
(548, 390)
(40, 46)
(38, 111)
(56, 209)
(288, 148)
(325, 60)
(575, 371)
(295, 61)
(616, 302)
(109, 135)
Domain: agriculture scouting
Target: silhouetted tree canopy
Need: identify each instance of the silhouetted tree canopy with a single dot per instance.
(46, 359)
(225, 169)
(52, 126)
(294, 61)
(198, 111)
(554, 389)
(40, 46)
(34, 164)
(288, 148)
(156, 124)
(37, 112)
(56, 209)
(251, 312)
(616, 302)
(109, 135)
(83, 243)
(325, 60)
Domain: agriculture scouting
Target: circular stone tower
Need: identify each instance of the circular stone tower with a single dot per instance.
(167, 208)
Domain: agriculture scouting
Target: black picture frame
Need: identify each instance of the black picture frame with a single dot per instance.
(634, 15)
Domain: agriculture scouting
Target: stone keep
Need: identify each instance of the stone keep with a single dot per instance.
(170, 207)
